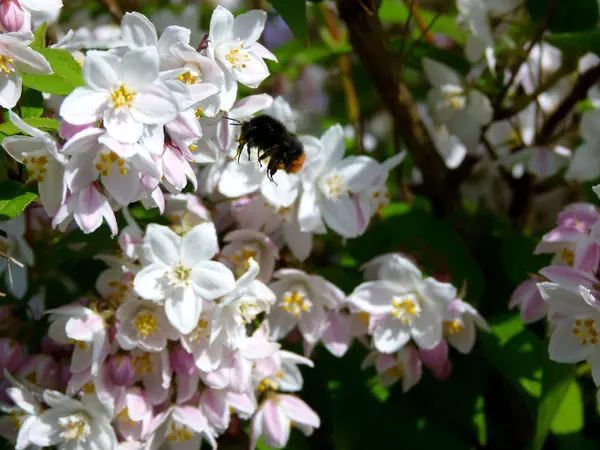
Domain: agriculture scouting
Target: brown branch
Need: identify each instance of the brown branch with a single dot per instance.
(578, 93)
(369, 43)
(113, 9)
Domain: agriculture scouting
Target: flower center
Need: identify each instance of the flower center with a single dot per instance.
(143, 364)
(268, 385)
(454, 97)
(406, 309)
(333, 187)
(381, 199)
(395, 371)
(179, 433)
(296, 302)
(248, 312)
(123, 417)
(237, 56)
(453, 326)
(75, 427)
(105, 161)
(199, 112)
(16, 418)
(586, 331)
(241, 257)
(119, 290)
(80, 344)
(6, 64)
(568, 256)
(180, 274)
(122, 97)
(364, 318)
(145, 322)
(36, 167)
(188, 78)
(200, 332)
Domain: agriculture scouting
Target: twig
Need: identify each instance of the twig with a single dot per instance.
(369, 43)
(578, 93)
(113, 9)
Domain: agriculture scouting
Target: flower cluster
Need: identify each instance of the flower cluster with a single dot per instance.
(411, 319)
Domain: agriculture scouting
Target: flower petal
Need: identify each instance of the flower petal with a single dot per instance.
(249, 26)
(161, 245)
(221, 25)
(199, 244)
(183, 309)
(100, 70)
(83, 106)
(211, 279)
(138, 31)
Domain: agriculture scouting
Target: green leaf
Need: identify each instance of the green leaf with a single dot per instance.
(556, 383)
(576, 43)
(67, 73)
(14, 198)
(43, 123)
(567, 15)
(39, 37)
(293, 12)
(517, 354)
(569, 417)
(31, 103)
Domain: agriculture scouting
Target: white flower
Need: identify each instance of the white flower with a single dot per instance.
(404, 305)
(460, 325)
(14, 245)
(73, 425)
(242, 245)
(301, 300)
(95, 153)
(15, 54)
(241, 306)
(207, 353)
(44, 163)
(125, 92)
(181, 424)
(448, 145)
(84, 327)
(21, 416)
(232, 43)
(585, 164)
(144, 325)
(280, 371)
(462, 110)
(180, 273)
(328, 179)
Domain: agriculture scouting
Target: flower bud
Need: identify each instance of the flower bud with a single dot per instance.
(41, 370)
(11, 355)
(436, 357)
(121, 370)
(12, 16)
(50, 347)
(64, 374)
(182, 362)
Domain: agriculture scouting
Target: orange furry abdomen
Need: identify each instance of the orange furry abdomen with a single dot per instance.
(296, 166)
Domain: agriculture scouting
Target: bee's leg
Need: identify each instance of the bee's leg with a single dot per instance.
(239, 150)
(268, 152)
(271, 170)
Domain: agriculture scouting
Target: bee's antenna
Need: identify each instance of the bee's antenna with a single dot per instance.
(236, 122)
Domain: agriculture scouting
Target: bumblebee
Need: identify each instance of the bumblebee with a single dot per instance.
(273, 141)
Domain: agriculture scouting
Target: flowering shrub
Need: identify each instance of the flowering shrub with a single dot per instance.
(162, 288)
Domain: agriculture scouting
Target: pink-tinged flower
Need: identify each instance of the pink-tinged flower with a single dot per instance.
(302, 300)
(185, 211)
(39, 370)
(67, 130)
(328, 179)
(155, 373)
(144, 325)
(15, 248)
(529, 300)
(576, 325)
(437, 360)
(404, 365)
(180, 273)
(243, 245)
(275, 417)
(121, 369)
(84, 327)
(94, 153)
(180, 424)
(69, 423)
(235, 310)
(280, 372)
(16, 424)
(135, 415)
(336, 335)
(12, 355)
(88, 207)
(406, 305)
(460, 325)
(115, 284)
(232, 43)
(218, 404)
(125, 92)
(177, 169)
(12, 16)
(207, 354)
(17, 56)
(280, 223)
